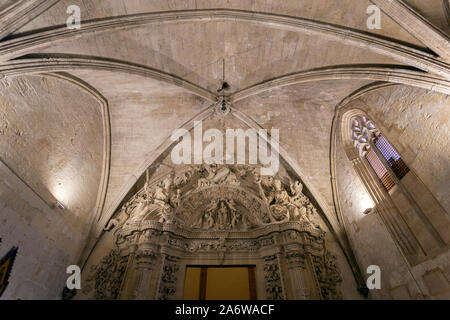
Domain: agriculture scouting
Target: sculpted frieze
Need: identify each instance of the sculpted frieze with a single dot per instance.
(328, 275)
(222, 209)
(215, 175)
(295, 259)
(224, 215)
(221, 245)
(169, 277)
(106, 277)
(274, 288)
(218, 197)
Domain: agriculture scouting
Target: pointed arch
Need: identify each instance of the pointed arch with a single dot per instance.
(402, 53)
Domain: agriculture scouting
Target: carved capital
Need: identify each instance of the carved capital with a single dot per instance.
(145, 258)
(295, 259)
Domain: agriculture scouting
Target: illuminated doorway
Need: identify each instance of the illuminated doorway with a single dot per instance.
(220, 283)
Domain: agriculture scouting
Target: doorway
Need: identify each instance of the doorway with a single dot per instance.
(220, 283)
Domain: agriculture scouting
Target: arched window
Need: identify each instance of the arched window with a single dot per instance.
(381, 155)
(415, 218)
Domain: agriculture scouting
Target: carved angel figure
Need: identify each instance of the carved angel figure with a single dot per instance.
(175, 200)
(209, 221)
(139, 205)
(279, 201)
(284, 206)
(162, 192)
(235, 220)
(157, 203)
(122, 217)
(217, 176)
(222, 215)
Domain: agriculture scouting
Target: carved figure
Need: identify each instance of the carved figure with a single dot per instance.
(217, 176)
(279, 201)
(223, 215)
(209, 221)
(123, 216)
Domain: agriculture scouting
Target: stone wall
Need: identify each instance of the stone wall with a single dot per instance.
(416, 123)
(46, 238)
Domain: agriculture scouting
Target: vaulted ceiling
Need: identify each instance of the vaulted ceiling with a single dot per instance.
(93, 106)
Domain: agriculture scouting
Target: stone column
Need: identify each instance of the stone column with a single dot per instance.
(272, 278)
(311, 279)
(296, 270)
(145, 265)
(127, 285)
(167, 287)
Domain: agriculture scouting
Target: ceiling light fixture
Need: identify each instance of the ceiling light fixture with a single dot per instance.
(60, 206)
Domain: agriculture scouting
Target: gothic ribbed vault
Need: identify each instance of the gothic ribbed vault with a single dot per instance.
(84, 113)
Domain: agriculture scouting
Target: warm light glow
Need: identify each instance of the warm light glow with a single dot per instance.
(62, 191)
(60, 205)
(366, 203)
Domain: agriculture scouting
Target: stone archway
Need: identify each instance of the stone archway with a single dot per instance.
(217, 216)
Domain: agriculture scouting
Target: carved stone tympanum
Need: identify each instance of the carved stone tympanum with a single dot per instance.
(214, 215)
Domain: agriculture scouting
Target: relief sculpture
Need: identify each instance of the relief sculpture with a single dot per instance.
(274, 289)
(217, 193)
(196, 212)
(106, 277)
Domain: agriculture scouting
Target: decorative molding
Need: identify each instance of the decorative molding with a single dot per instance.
(47, 64)
(168, 284)
(106, 278)
(145, 258)
(416, 25)
(447, 10)
(128, 234)
(213, 198)
(171, 245)
(272, 277)
(328, 275)
(21, 13)
(158, 223)
(295, 259)
(398, 75)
